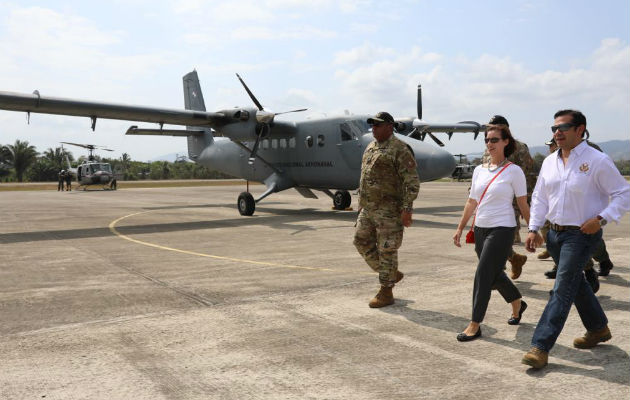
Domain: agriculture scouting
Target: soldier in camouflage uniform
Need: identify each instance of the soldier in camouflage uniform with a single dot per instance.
(389, 185)
(523, 159)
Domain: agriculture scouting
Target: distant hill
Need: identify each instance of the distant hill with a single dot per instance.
(616, 149)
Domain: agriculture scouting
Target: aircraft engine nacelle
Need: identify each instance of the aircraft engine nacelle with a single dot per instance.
(404, 126)
(240, 124)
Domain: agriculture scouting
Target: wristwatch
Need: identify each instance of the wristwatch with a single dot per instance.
(602, 220)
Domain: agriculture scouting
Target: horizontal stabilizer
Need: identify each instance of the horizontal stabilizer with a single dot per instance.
(134, 130)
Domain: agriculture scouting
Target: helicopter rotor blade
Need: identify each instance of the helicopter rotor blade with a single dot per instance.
(85, 146)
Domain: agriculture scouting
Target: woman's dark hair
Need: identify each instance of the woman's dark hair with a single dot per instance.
(510, 148)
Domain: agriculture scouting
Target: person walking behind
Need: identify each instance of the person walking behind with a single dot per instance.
(579, 189)
(493, 188)
(389, 185)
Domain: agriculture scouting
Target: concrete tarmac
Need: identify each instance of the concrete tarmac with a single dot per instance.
(170, 294)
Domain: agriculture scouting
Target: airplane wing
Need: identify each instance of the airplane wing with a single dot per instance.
(422, 128)
(35, 103)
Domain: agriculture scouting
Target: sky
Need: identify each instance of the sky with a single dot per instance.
(521, 59)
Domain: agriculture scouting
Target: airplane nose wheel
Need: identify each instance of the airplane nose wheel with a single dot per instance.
(246, 204)
(341, 200)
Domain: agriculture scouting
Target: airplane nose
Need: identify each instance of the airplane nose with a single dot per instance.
(441, 164)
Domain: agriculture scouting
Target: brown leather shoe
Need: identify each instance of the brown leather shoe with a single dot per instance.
(383, 298)
(399, 276)
(535, 358)
(544, 255)
(591, 338)
(517, 261)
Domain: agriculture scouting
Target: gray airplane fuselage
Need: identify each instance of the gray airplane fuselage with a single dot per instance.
(321, 154)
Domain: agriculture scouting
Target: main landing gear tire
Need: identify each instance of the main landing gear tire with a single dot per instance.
(246, 204)
(341, 200)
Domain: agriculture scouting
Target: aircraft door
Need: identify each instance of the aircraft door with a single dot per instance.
(349, 145)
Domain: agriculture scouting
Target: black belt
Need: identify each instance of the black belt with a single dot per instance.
(560, 228)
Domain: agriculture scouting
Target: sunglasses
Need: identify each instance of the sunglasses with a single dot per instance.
(562, 127)
(492, 140)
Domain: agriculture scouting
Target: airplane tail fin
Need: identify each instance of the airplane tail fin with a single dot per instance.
(193, 100)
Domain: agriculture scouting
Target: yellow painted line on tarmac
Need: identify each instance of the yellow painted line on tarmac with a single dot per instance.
(112, 228)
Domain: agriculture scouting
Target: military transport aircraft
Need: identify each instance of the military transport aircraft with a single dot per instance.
(319, 154)
(92, 172)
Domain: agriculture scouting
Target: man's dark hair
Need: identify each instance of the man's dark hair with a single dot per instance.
(576, 117)
(510, 148)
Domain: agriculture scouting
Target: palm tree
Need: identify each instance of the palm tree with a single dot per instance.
(57, 157)
(20, 156)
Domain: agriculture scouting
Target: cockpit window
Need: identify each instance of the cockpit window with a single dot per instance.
(353, 130)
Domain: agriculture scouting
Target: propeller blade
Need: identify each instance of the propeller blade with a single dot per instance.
(292, 111)
(249, 92)
(419, 105)
(252, 155)
(436, 140)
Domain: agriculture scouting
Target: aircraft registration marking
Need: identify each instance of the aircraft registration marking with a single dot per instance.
(112, 228)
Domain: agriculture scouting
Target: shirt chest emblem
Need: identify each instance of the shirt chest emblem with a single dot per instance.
(584, 167)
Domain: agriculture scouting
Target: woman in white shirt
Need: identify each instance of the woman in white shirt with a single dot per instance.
(494, 226)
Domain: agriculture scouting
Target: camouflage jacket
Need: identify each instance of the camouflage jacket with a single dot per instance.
(388, 176)
(523, 159)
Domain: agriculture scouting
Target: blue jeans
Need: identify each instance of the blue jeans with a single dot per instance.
(571, 250)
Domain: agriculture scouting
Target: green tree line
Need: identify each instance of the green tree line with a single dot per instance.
(21, 162)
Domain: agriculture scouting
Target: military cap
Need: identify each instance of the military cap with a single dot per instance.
(380, 118)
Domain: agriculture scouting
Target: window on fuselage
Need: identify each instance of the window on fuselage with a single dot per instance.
(292, 143)
(265, 144)
(274, 143)
(320, 140)
(353, 130)
(283, 143)
(309, 141)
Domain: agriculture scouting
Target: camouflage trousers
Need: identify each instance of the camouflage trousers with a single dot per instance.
(378, 237)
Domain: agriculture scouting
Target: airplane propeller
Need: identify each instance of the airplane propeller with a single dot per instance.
(417, 133)
(264, 119)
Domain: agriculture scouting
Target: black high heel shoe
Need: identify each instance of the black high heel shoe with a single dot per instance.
(462, 337)
(517, 320)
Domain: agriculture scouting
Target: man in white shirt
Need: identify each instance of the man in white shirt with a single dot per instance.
(579, 190)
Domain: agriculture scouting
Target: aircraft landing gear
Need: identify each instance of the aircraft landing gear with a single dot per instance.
(246, 204)
(341, 200)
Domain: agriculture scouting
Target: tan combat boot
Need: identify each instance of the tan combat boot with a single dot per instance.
(383, 298)
(535, 358)
(591, 338)
(544, 255)
(399, 276)
(517, 261)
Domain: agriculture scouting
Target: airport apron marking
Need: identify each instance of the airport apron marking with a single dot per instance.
(112, 228)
